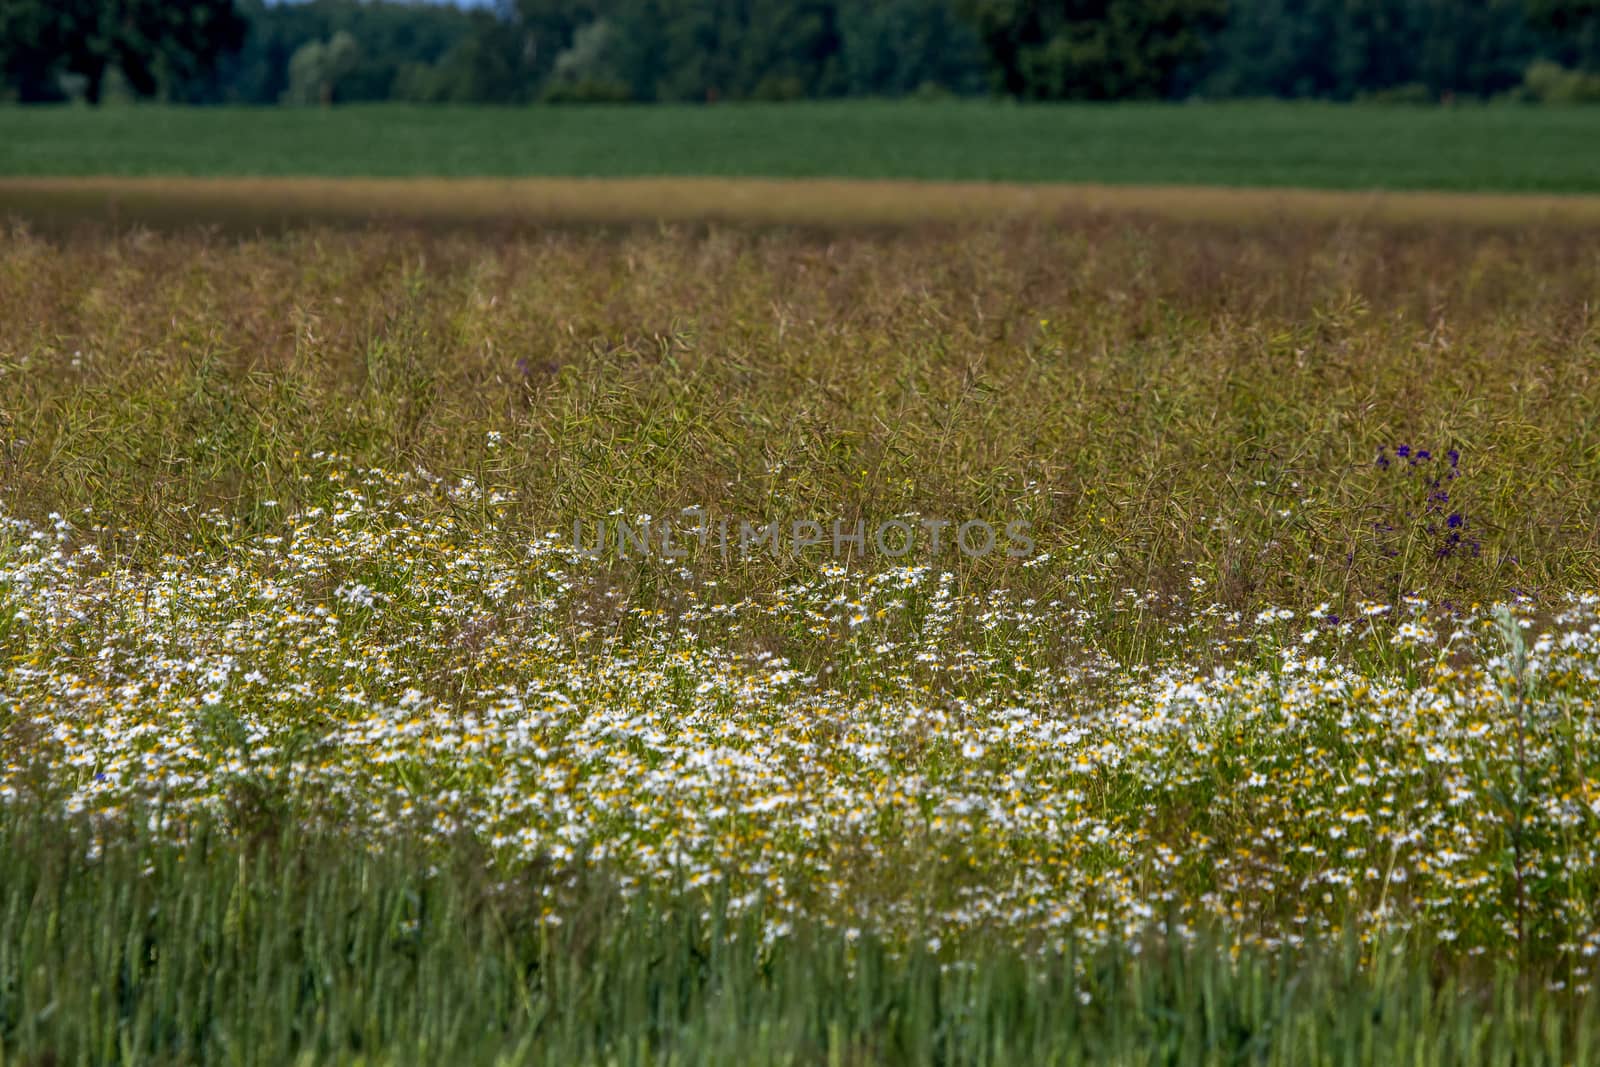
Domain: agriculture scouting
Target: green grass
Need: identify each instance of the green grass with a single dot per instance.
(283, 948)
(1115, 382)
(1483, 148)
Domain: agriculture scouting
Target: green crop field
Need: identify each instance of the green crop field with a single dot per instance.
(1482, 148)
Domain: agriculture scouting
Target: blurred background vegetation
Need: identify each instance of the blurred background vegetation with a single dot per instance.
(323, 52)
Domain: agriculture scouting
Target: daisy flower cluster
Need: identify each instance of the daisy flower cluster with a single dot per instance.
(874, 749)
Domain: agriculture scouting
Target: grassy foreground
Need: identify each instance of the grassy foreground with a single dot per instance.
(1501, 148)
(288, 949)
(327, 734)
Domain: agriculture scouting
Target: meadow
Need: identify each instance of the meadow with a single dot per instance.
(1470, 147)
(328, 737)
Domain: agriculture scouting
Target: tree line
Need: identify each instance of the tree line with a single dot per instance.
(525, 51)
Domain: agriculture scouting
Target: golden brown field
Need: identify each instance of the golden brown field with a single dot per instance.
(245, 202)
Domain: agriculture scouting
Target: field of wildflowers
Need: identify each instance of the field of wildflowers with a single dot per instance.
(1293, 705)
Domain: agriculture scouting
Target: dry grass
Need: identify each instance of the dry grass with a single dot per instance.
(1167, 398)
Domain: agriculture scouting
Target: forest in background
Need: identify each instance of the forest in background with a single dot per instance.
(525, 51)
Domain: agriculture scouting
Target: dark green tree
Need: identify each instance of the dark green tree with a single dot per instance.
(1092, 49)
(400, 43)
(317, 69)
(1346, 49)
(896, 47)
(1576, 26)
(1562, 13)
(29, 47)
(491, 65)
(539, 31)
(151, 42)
